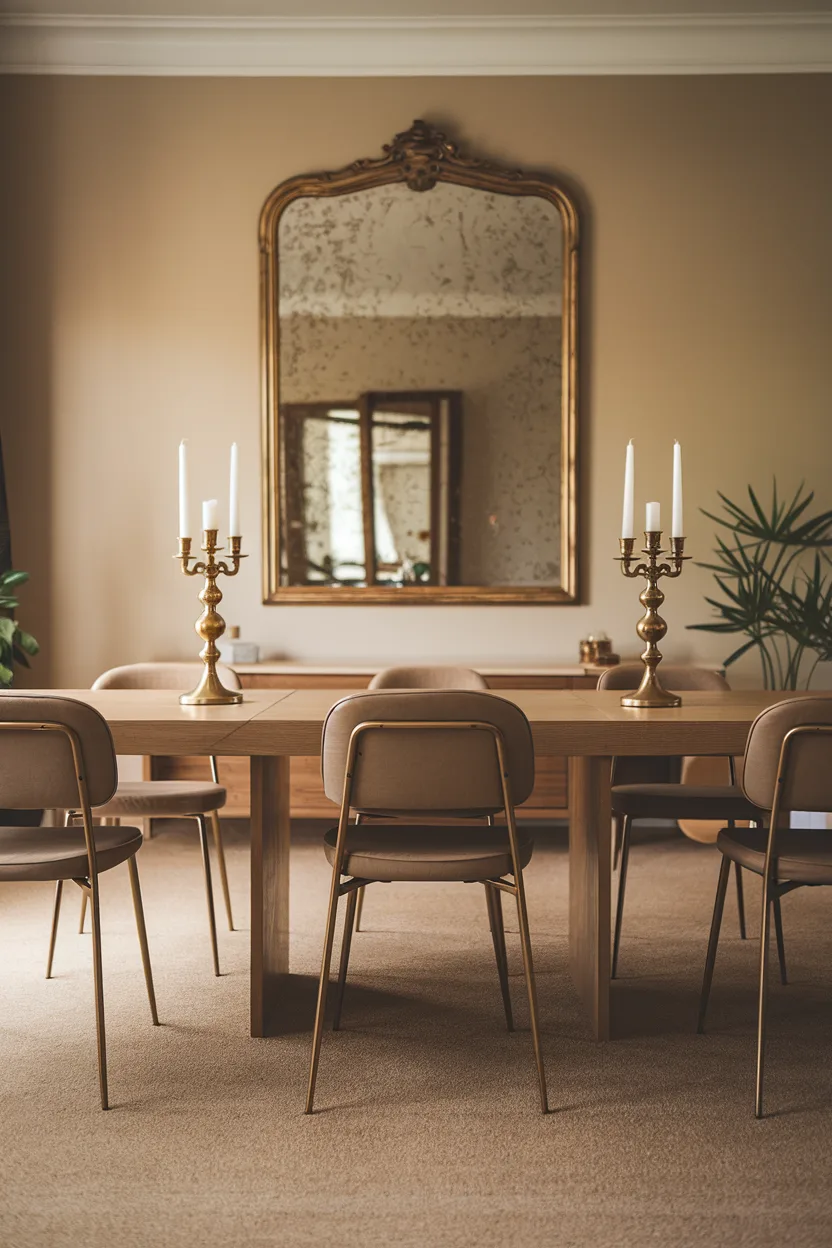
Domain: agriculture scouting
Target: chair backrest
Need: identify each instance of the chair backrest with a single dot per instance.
(37, 769)
(413, 771)
(426, 676)
(627, 676)
(681, 679)
(805, 782)
(174, 676)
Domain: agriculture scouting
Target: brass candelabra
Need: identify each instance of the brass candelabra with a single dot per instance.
(651, 628)
(210, 626)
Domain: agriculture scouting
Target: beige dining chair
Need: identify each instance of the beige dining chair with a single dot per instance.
(650, 788)
(421, 676)
(411, 755)
(200, 800)
(787, 767)
(58, 753)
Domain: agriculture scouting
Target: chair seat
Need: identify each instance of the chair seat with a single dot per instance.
(682, 801)
(61, 853)
(135, 799)
(804, 855)
(408, 852)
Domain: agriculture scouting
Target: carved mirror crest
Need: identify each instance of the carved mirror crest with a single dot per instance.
(419, 382)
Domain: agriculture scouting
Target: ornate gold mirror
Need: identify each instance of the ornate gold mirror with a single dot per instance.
(419, 382)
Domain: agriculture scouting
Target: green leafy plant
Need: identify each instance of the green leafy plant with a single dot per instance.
(16, 645)
(774, 574)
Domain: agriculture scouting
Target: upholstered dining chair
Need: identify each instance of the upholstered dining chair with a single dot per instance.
(55, 752)
(787, 767)
(412, 755)
(650, 788)
(421, 676)
(200, 800)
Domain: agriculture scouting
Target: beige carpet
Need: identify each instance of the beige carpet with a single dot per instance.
(429, 1132)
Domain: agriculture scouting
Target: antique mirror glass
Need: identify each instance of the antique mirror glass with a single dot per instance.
(419, 365)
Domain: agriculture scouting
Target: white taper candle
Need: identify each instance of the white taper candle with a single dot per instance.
(210, 514)
(628, 518)
(234, 495)
(184, 528)
(677, 523)
(652, 522)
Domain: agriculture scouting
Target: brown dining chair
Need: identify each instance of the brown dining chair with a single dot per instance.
(412, 755)
(428, 676)
(200, 800)
(788, 766)
(421, 676)
(649, 787)
(58, 753)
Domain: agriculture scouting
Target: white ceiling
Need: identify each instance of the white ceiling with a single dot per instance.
(346, 9)
(382, 38)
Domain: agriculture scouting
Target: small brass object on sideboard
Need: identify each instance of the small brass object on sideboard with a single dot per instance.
(651, 628)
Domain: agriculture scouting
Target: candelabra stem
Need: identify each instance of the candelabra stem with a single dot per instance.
(210, 626)
(651, 628)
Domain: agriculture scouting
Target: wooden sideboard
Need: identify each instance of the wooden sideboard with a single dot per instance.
(550, 799)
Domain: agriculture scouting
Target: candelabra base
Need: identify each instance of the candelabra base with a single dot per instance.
(210, 692)
(650, 694)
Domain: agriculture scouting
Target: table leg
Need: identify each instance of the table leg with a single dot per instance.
(589, 887)
(269, 889)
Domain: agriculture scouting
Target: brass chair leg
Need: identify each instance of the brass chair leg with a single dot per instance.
(528, 967)
(740, 899)
(98, 976)
(220, 848)
(622, 885)
(209, 890)
(617, 828)
(349, 921)
(138, 909)
(761, 1005)
(713, 940)
(360, 908)
(83, 915)
(322, 987)
(778, 931)
(495, 918)
(56, 914)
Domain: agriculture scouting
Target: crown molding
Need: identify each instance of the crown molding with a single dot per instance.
(430, 46)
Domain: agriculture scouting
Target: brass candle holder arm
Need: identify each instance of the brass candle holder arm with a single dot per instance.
(210, 626)
(651, 628)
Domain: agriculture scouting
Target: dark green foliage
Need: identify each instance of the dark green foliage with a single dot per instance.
(16, 645)
(773, 570)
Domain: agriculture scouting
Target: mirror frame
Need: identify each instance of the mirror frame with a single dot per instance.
(419, 157)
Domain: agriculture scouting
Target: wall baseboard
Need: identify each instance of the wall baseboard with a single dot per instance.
(430, 46)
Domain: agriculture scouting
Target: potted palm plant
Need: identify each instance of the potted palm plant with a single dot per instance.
(774, 572)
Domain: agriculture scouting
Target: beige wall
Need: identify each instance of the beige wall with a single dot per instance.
(130, 300)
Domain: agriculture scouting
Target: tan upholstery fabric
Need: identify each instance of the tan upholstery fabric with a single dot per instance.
(407, 852)
(683, 801)
(808, 784)
(803, 855)
(428, 677)
(61, 853)
(160, 799)
(181, 676)
(427, 772)
(37, 770)
(678, 678)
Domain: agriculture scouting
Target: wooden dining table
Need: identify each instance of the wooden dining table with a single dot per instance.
(273, 726)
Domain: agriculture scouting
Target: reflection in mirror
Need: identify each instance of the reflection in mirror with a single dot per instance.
(370, 491)
(420, 382)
